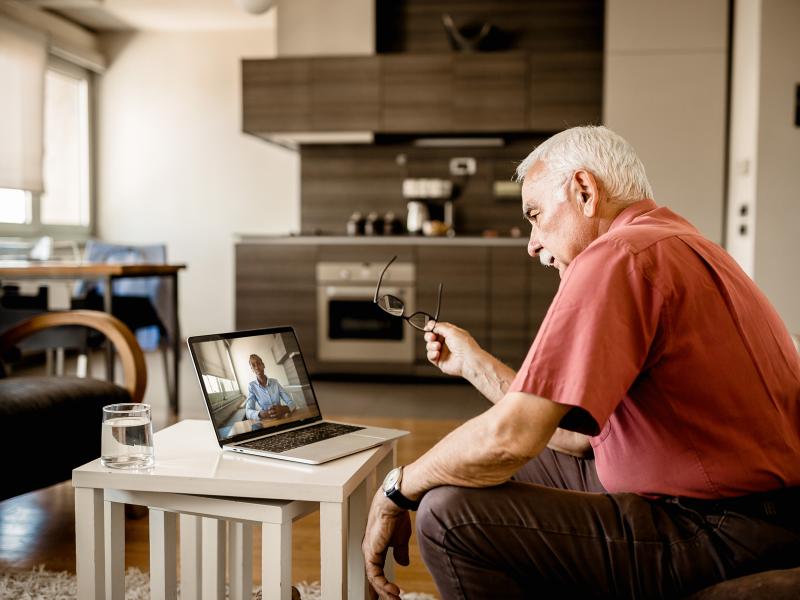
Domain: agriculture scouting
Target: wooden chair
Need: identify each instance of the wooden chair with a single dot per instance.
(50, 425)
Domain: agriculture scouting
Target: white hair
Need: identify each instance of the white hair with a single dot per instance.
(605, 154)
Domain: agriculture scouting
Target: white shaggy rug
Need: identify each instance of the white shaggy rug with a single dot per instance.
(48, 585)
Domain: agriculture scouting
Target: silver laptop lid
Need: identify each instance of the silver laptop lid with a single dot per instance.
(228, 366)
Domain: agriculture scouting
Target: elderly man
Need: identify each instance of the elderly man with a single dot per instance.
(650, 444)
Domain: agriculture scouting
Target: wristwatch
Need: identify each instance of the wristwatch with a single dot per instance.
(391, 489)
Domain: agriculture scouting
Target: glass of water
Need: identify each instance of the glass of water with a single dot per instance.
(127, 440)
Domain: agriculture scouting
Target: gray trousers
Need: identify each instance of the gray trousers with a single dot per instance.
(553, 530)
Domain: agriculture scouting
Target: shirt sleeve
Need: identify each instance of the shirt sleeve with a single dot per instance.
(595, 337)
(286, 398)
(251, 409)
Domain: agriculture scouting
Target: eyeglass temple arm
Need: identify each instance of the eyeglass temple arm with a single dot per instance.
(380, 279)
(438, 303)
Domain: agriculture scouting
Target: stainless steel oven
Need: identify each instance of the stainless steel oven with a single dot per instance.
(351, 327)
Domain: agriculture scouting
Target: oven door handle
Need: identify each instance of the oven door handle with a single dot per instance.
(351, 292)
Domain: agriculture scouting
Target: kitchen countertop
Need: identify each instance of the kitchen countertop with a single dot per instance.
(381, 240)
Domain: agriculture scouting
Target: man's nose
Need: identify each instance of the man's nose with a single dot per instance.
(533, 246)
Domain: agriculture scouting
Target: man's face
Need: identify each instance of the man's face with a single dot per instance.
(257, 366)
(559, 228)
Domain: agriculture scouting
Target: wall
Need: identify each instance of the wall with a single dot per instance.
(325, 28)
(777, 211)
(665, 92)
(174, 167)
(337, 180)
(745, 75)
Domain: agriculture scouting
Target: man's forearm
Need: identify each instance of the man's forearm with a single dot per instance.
(489, 376)
(488, 449)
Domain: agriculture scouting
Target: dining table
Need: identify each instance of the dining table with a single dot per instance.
(15, 270)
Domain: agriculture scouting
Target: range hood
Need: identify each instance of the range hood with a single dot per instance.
(294, 140)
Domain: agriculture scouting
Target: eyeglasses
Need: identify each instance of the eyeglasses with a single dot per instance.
(397, 308)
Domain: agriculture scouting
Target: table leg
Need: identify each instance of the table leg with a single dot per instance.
(107, 307)
(191, 557)
(387, 463)
(276, 560)
(176, 344)
(89, 543)
(333, 529)
(240, 560)
(115, 550)
(163, 583)
(213, 559)
(357, 586)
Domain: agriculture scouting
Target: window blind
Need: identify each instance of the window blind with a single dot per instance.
(23, 60)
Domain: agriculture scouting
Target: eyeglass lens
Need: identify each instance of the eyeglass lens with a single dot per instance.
(420, 320)
(394, 306)
(391, 304)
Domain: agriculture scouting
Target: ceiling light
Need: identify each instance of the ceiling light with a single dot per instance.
(255, 7)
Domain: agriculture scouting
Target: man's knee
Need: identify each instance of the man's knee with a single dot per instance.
(437, 511)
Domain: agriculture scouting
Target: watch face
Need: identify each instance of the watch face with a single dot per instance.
(391, 480)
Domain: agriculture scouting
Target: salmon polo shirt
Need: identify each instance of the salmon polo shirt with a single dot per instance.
(688, 372)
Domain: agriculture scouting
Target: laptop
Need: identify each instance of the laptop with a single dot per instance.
(260, 399)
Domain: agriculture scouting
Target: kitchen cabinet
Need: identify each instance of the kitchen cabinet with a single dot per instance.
(543, 285)
(496, 292)
(276, 95)
(463, 272)
(502, 92)
(441, 93)
(344, 94)
(489, 92)
(417, 92)
(276, 285)
(520, 292)
(509, 334)
(310, 94)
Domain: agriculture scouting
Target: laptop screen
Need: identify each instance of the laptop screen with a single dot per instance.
(253, 381)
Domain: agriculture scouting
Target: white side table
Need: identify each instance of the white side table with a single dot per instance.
(194, 478)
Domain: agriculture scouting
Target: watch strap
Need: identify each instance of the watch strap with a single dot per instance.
(396, 496)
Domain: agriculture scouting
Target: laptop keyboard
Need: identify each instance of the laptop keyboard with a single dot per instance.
(281, 442)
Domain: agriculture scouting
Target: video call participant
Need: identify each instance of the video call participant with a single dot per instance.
(266, 398)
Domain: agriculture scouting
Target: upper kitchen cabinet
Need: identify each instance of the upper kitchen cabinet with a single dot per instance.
(310, 95)
(503, 92)
(538, 70)
(344, 94)
(453, 93)
(417, 93)
(276, 95)
(489, 92)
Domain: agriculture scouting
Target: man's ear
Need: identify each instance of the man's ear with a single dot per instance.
(586, 192)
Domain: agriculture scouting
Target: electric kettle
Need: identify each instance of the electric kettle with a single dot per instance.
(417, 215)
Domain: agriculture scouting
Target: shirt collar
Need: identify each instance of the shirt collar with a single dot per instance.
(631, 212)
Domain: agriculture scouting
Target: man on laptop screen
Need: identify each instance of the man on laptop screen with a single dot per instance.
(255, 382)
(261, 401)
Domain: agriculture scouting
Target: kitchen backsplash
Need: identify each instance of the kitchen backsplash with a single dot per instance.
(337, 180)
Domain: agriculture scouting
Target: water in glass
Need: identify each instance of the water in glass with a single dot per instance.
(127, 439)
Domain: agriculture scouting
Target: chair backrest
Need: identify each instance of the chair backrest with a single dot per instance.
(157, 289)
(104, 252)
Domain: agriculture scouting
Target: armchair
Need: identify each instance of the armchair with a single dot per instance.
(50, 425)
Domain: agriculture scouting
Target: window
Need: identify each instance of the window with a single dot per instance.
(15, 206)
(64, 209)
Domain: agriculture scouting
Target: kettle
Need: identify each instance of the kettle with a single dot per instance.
(417, 215)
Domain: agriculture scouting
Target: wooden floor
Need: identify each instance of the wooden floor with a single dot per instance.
(38, 528)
